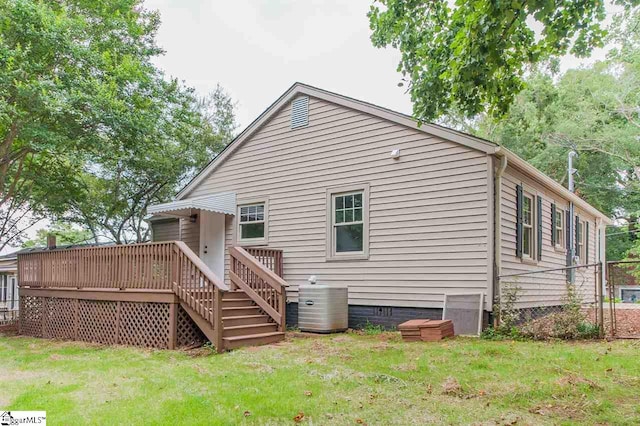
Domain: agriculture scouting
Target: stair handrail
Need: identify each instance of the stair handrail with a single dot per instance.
(250, 275)
(201, 265)
(191, 277)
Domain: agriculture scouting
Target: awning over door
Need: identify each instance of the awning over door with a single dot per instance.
(224, 202)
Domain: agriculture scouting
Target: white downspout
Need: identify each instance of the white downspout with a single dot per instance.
(497, 224)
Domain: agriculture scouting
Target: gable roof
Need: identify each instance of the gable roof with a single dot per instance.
(365, 107)
(452, 135)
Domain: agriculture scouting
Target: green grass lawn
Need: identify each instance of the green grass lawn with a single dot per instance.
(338, 379)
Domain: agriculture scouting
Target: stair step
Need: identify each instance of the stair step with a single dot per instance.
(228, 303)
(252, 339)
(236, 294)
(240, 310)
(249, 329)
(245, 320)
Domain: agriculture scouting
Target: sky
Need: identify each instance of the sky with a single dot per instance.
(256, 49)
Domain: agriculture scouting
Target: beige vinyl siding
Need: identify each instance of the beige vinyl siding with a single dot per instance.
(542, 289)
(190, 233)
(166, 230)
(429, 228)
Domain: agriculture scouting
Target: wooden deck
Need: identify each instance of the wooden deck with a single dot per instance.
(158, 294)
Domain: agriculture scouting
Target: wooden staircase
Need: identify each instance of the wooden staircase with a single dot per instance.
(250, 312)
(244, 323)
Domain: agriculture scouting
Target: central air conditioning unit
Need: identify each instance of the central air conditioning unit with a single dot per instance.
(322, 308)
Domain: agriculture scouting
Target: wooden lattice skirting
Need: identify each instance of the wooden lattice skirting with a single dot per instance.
(135, 323)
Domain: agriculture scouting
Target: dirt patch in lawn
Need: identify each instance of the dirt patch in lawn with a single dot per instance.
(627, 320)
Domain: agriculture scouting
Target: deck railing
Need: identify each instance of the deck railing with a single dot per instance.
(259, 282)
(271, 258)
(134, 266)
(168, 266)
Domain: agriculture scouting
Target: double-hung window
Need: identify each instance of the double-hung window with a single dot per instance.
(527, 226)
(347, 233)
(558, 228)
(251, 223)
(348, 222)
(580, 252)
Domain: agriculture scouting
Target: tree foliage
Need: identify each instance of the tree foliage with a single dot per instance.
(72, 75)
(91, 131)
(471, 57)
(595, 111)
(66, 234)
(181, 138)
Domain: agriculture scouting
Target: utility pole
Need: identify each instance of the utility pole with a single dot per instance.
(572, 224)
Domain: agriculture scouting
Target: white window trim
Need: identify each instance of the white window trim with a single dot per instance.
(528, 227)
(581, 246)
(330, 237)
(531, 193)
(252, 241)
(561, 244)
(4, 288)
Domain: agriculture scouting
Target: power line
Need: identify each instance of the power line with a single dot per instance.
(623, 233)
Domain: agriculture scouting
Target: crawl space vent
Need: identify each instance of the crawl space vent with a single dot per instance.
(465, 311)
(300, 112)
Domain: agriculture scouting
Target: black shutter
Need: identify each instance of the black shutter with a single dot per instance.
(539, 217)
(577, 246)
(553, 224)
(586, 242)
(519, 219)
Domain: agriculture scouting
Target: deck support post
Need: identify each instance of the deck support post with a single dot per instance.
(217, 319)
(173, 325)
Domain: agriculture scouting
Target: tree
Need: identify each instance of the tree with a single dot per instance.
(73, 73)
(182, 133)
(472, 57)
(593, 111)
(66, 234)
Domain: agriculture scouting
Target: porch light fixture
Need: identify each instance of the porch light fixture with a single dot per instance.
(193, 218)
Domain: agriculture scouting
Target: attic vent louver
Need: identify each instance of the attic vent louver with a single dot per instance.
(300, 112)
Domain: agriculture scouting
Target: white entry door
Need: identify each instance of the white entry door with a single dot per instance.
(212, 241)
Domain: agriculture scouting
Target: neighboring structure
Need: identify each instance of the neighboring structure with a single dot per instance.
(623, 284)
(9, 297)
(402, 214)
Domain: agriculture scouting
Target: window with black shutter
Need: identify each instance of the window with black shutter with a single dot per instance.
(527, 228)
(557, 227)
(579, 240)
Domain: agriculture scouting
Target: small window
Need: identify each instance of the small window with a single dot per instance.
(559, 228)
(252, 222)
(527, 226)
